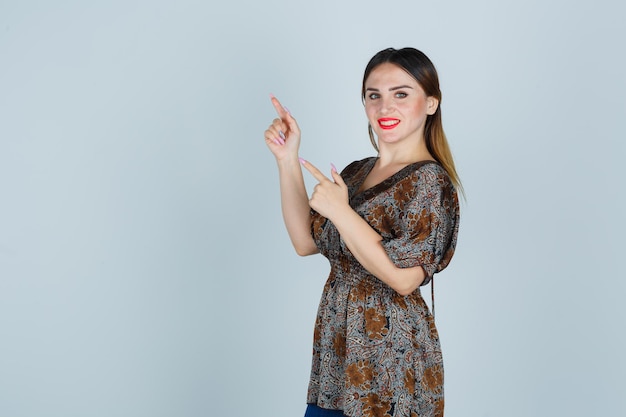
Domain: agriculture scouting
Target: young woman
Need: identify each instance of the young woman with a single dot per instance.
(386, 224)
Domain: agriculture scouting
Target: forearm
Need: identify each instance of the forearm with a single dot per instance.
(365, 244)
(295, 206)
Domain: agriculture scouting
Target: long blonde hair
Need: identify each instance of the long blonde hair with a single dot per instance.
(423, 70)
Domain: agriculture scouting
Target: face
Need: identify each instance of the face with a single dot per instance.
(396, 105)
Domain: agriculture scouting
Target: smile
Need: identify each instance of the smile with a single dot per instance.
(387, 123)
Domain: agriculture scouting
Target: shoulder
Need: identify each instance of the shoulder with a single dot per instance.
(429, 180)
(431, 173)
(429, 168)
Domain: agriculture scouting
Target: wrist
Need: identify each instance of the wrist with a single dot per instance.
(288, 161)
(340, 213)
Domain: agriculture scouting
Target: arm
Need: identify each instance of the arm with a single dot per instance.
(365, 244)
(283, 139)
(330, 199)
(295, 206)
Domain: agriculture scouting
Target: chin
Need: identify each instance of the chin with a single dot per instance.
(388, 139)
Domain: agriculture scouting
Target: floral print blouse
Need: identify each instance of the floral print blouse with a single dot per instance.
(375, 352)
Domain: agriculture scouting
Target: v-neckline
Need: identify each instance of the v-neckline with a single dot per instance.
(379, 187)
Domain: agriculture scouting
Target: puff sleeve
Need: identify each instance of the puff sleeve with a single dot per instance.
(426, 221)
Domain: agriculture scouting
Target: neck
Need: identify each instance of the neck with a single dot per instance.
(393, 154)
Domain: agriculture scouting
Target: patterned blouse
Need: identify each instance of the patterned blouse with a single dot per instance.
(375, 352)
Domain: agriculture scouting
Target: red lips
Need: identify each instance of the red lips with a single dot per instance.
(388, 123)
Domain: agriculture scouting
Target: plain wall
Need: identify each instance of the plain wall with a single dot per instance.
(144, 266)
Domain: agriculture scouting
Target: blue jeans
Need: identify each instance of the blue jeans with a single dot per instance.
(314, 411)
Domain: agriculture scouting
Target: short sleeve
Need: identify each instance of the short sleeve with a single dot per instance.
(427, 223)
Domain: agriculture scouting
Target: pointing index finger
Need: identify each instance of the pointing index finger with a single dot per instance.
(282, 113)
(313, 170)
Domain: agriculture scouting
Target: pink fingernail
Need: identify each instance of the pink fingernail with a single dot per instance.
(272, 95)
(332, 166)
(282, 142)
(302, 160)
(276, 141)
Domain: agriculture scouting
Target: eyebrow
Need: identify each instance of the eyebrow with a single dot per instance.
(391, 89)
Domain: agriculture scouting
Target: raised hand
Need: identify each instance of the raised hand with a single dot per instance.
(283, 135)
(329, 197)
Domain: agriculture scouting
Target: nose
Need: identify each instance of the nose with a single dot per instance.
(387, 105)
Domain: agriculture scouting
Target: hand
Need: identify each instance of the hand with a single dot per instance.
(329, 197)
(283, 135)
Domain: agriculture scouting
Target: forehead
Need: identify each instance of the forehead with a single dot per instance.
(389, 74)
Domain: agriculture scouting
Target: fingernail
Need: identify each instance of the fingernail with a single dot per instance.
(282, 142)
(282, 135)
(302, 160)
(286, 109)
(272, 95)
(276, 141)
(332, 166)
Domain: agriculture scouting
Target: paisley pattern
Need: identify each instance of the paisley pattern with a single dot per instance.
(375, 352)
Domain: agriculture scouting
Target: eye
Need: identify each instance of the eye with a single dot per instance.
(401, 94)
(373, 96)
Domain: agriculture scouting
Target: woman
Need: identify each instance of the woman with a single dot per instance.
(386, 224)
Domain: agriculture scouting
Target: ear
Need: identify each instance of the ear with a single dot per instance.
(432, 103)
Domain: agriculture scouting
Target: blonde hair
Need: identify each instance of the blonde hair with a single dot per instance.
(420, 67)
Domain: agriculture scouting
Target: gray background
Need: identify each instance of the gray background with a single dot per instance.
(144, 267)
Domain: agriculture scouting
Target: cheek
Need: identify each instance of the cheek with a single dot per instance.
(417, 109)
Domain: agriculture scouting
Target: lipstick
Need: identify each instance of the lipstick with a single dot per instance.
(388, 123)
